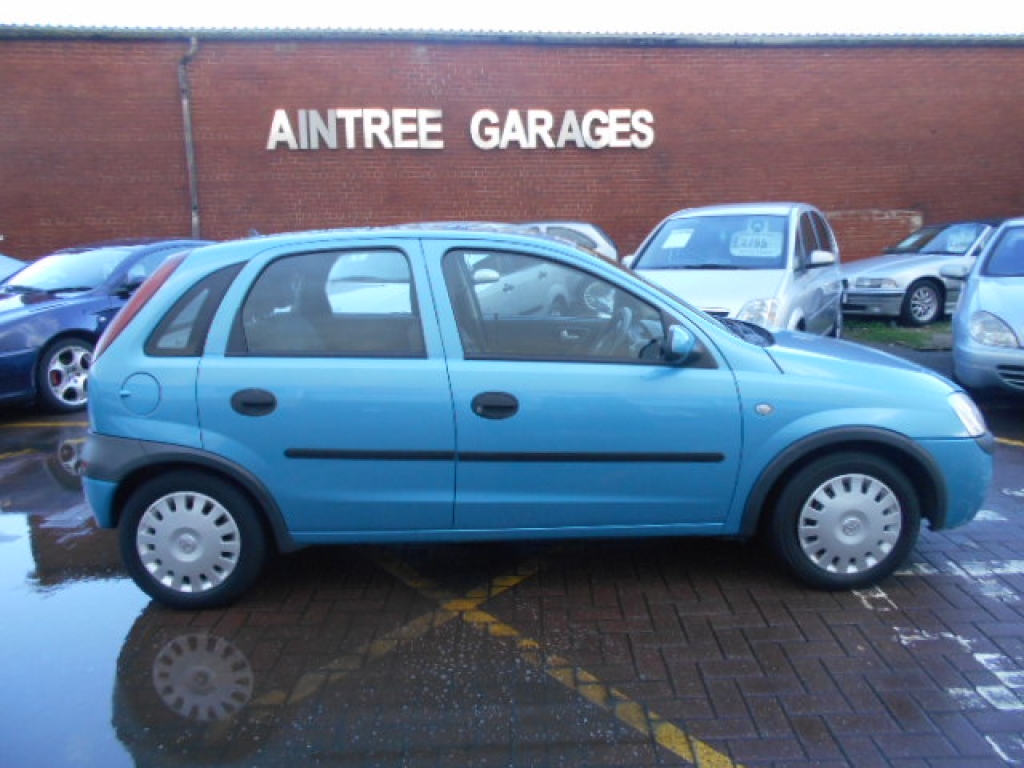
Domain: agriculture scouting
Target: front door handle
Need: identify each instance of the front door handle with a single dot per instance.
(253, 402)
(495, 405)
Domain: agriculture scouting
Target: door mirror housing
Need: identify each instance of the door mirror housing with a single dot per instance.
(682, 345)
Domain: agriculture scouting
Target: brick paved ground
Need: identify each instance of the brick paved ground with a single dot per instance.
(624, 653)
(607, 653)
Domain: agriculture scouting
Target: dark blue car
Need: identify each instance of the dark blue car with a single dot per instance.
(53, 311)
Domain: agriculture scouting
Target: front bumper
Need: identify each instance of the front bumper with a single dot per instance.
(18, 374)
(987, 368)
(874, 303)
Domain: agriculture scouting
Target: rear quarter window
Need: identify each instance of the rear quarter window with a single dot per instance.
(182, 331)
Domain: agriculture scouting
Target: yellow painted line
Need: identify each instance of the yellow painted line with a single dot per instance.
(337, 669)
(1008, 441)
(625, 709)
(12, 454)
(38, 424)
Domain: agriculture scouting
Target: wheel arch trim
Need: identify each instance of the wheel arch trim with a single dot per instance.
(126, 463)
(922, 470)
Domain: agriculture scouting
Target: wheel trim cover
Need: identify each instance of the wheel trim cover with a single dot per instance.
(68, 373)
(188, 542)
(923, 303)
(202, 677)
(850, 524)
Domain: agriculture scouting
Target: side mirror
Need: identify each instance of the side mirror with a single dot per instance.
(128, 287)
(955, 271)
(821, 259)
(486, 276)
(681, 345)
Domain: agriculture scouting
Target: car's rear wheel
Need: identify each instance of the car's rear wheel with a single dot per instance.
(191, 540)
(922, 303)
(62, 374)
(846, 521)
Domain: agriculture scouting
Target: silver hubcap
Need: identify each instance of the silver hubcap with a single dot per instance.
(188, 542)
(202, 677)
(68, 373)
(850, 524)
(923, 303)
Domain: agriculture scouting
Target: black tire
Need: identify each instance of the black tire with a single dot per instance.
(62, 374)
(922, 303)
(845, 521)
(191, 540)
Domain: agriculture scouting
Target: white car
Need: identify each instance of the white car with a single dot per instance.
(772, 264)
(582, 233)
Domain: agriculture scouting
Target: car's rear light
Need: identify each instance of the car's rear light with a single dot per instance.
(139, 299)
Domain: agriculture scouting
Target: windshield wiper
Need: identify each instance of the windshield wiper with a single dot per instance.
(71, 289)
(19, 289)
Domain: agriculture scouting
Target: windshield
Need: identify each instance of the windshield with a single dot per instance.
(72, 271)
(947, 238)
(1006, 259)
(69, 271)
(718, 242)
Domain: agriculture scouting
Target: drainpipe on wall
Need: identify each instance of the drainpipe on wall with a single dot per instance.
(190, 147)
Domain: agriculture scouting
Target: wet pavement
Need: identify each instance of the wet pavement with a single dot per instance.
(610, 653)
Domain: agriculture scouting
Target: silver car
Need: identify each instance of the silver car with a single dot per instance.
(988, 326)
(582, 233)
(906, 281)
(772, 264)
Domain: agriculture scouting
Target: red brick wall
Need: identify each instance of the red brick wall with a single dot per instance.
(881, 137)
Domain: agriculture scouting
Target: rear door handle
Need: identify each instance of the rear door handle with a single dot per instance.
(254, 402)
(495, 405)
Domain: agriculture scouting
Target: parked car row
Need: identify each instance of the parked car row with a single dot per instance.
(776, 265)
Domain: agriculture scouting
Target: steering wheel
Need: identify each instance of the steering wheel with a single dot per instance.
(616, 334)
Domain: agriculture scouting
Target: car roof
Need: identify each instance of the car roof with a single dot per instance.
(138, 243)
(233, 251)
(779, 208)
(989, 222)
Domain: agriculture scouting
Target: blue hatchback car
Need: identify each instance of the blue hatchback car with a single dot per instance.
(418, 384)
(53, 310)
(988, 325)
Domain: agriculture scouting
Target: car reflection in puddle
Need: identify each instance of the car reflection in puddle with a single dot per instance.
(42, 481)
(66, 605)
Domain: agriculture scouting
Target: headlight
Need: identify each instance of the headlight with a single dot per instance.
(875, 282)
(969, 414)
(985, 328)
(761, 312)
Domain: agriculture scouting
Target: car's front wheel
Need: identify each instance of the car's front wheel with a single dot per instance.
(62, 374)
(191, 540)
(922, 303)
(846, 521)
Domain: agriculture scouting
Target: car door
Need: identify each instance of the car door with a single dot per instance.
(595, 435)
(333, 391)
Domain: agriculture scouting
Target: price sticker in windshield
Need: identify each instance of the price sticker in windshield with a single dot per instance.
(758, 245)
